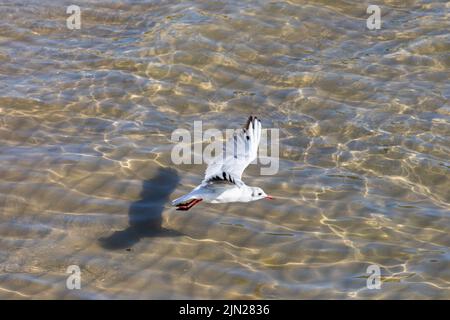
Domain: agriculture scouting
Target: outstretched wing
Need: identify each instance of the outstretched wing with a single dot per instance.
(237, 154)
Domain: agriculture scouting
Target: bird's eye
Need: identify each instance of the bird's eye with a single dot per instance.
(259, 194)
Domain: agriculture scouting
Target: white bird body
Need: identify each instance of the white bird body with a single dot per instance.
(216, 193)
(222, 182)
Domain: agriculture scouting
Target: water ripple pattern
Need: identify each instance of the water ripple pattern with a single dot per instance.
(86, 176)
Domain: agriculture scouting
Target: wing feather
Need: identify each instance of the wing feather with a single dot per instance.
(237, 153)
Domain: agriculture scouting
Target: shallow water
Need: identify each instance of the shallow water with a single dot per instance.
(86, 176)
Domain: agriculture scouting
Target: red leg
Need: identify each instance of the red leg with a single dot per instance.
(185, 204)
(189, 205)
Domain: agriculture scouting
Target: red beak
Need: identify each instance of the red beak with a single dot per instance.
(269, 197)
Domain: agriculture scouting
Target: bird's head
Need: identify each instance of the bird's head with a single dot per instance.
(258, 193)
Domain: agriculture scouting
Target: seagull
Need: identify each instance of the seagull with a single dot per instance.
(222, 182)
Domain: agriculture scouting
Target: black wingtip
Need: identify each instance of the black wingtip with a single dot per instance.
(250, 120)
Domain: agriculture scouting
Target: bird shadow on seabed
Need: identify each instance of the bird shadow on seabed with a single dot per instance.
(145, 215)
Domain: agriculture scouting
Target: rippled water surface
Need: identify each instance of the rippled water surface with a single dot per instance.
(86, 176)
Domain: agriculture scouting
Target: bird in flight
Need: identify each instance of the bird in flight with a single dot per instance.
(222, 182)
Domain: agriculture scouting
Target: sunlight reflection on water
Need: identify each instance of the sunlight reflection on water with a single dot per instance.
(85, 125)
